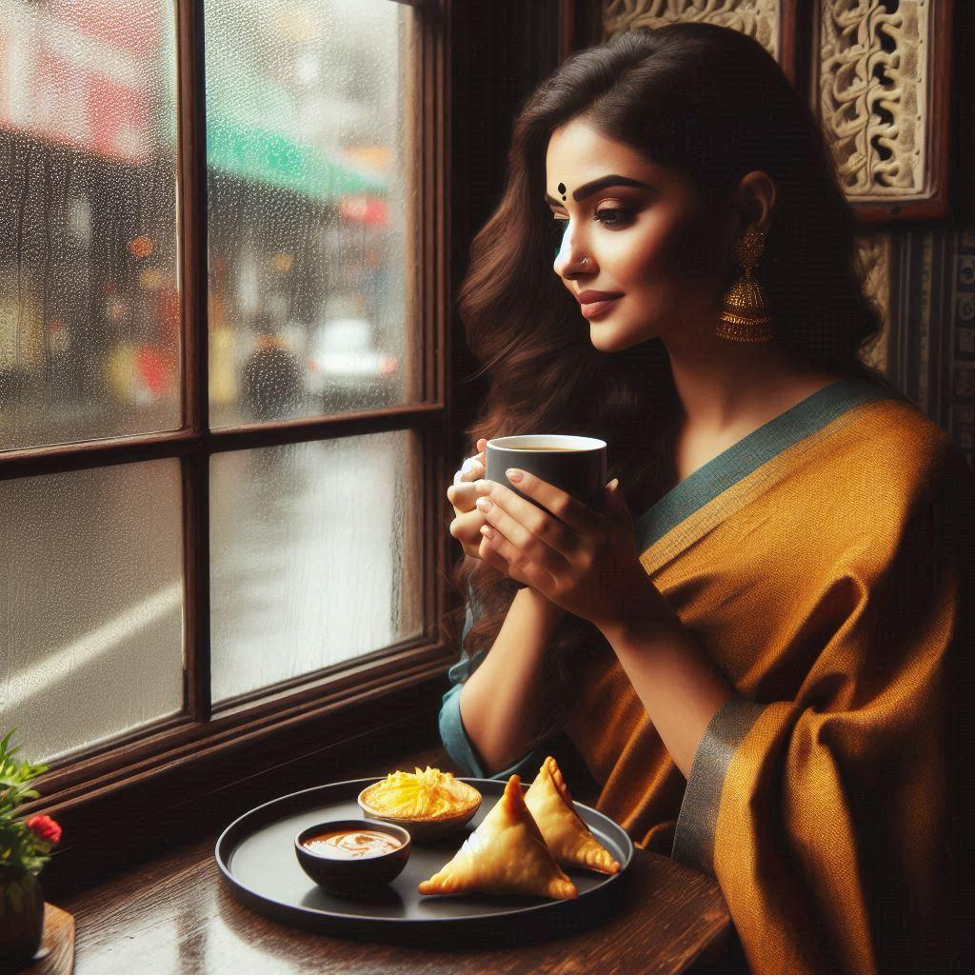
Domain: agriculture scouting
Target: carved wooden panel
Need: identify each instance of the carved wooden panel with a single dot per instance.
(757, 18)
(881, 79)
(873, 94)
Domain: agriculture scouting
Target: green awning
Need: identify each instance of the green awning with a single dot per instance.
(260, 154)
(239, 94)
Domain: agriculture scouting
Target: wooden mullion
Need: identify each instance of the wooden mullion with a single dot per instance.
(196, 585)
(192, 210)
(176, 444)
(434, 257)
(95, 454)
(316, 429)
(192, 221)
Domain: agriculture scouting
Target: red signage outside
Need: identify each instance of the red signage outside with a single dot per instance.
(81, 74)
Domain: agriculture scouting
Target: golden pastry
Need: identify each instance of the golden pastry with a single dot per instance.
(568, 838)
(506, 853)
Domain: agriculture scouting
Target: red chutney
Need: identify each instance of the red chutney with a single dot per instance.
(355, 843)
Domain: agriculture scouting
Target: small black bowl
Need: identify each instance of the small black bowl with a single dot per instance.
(350, 874)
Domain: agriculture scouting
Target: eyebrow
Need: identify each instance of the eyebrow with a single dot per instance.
(613, 180)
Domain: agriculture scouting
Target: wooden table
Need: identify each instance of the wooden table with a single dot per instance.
(175, 915)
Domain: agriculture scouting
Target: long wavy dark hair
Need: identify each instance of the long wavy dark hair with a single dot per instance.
(711, 103)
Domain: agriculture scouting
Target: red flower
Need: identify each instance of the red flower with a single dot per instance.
(47, 829)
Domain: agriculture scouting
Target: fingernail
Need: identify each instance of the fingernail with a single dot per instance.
(513, 474)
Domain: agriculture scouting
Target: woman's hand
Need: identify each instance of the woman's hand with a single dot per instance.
(468, 519)
(582, 560)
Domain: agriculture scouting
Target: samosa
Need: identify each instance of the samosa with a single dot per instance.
(506, 853)
(570, 841)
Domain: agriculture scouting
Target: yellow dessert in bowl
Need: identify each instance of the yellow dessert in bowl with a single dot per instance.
(428, 803)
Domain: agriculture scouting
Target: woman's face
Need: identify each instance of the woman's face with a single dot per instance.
(652, 243)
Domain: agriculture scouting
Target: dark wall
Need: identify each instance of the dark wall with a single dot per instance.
(500, 51)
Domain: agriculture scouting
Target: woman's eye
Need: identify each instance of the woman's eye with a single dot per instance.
(609, 217)
(616, 216)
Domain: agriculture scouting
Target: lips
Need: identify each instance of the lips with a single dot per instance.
(595, 304)
(590, 296)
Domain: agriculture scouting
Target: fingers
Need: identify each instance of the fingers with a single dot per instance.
(497, 551)
(471, 469)
(529, 526)
(490, 555)
(535, 534)
(465, 527)
(579, 517)
(461, 493)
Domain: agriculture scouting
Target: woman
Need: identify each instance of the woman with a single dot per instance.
(763, 673)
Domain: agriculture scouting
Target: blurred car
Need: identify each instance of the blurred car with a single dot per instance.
(346, 369)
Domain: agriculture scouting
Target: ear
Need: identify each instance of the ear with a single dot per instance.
(755, 198)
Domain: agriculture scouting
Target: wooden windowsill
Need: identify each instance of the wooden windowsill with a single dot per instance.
(173, 914)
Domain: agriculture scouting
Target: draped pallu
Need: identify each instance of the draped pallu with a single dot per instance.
(825, 564)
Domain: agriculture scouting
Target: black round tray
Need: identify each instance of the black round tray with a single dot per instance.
(255, 853)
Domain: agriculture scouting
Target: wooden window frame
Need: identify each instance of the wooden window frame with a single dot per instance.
(319, 701)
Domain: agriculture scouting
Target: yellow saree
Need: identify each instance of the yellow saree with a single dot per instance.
(825, 564)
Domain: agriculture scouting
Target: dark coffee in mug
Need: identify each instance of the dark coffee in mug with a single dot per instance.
(581, 469)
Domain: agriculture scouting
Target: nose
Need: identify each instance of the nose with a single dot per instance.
(570, 261)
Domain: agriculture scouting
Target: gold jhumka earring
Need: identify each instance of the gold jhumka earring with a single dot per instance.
(746, 313)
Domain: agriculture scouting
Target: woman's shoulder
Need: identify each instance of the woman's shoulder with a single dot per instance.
(898, 486)
(888, 460)
(904, 441)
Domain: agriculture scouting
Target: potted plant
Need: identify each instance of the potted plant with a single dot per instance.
(25, 845)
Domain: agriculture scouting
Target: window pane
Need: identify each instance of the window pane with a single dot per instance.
(316, 556)
(307, 110)
(91, 610)
(89, 303)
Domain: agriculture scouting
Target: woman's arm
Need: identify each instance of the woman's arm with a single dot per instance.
(499, 700)
(676, 682)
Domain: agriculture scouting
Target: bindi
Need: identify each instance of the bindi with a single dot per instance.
(563, 190)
